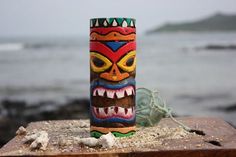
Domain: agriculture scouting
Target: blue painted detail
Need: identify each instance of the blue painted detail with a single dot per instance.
(115, 45)
(101, 83)
(113, 120)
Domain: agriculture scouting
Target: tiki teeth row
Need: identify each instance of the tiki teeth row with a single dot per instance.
(113, 111)
(112, 22)
(111, 93)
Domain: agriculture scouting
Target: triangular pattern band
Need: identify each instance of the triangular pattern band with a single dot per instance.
(112, 22)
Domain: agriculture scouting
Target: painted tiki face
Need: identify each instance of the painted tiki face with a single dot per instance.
(112, 76)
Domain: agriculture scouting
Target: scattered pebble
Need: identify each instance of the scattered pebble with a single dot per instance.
(83, 124)
(107, 141)
(21, 131)
(90, 141)
(20, 151)
(39, 140)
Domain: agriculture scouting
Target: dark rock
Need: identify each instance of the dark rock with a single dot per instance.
(220, 47)
(227, 108)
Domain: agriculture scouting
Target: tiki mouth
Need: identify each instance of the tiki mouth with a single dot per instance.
(114, 93)
(113, 112)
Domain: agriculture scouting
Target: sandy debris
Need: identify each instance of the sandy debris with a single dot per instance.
(151, 137)
(64, 142)
(77, 133)
(75, 136)
(39, 140)
(21, 131)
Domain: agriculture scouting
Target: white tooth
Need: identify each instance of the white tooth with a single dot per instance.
(133, 92)
(132, 110)
(95, 92)
(101, 112)
(110, 93)
(105, 23)
(129, 111)
(110, 111)
(114, 23)
(96, 24)
(124, 24)
(120, 93)
(91, 23)
(121, 111)
(101, 91)
(128, 91)
(131, 23)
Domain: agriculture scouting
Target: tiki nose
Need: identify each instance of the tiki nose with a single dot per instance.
(114, 74)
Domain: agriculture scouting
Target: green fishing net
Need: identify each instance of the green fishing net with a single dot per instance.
(151, 108)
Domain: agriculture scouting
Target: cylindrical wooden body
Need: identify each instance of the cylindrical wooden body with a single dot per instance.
(112, 76)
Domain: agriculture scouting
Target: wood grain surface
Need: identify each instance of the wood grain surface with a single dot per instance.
(217, 139)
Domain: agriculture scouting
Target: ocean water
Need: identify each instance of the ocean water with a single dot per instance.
(191, 79)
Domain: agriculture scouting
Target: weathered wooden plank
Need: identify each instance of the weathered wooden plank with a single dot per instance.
(219, 140)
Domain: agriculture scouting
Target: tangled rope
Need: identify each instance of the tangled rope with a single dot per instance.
(151, 108)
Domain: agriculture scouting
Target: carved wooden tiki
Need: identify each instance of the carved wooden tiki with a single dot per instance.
(112, 76)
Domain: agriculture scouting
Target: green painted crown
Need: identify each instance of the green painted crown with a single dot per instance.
(112, 22)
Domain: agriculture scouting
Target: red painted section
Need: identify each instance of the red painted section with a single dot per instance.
(106, 51)
(106, 30)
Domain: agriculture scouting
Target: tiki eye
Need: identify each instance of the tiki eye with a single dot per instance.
(98, 62)
(128, 62)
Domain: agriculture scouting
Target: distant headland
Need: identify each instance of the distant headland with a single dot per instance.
(216, 22)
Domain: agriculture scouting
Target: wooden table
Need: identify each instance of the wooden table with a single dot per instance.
(219, 140)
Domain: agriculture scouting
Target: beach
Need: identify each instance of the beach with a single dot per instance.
(48, 78)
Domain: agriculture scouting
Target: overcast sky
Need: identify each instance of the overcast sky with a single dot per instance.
(71, 17)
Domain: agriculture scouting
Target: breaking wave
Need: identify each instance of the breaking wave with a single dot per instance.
(11, 46)
(38, 45)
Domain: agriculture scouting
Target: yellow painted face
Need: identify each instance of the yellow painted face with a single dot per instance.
(111, 70)
(99, 63)
(128, 62)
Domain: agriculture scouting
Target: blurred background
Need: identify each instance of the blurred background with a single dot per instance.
(186, 49)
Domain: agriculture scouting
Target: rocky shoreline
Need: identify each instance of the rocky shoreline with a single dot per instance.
(14, 114)
(218, 47)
